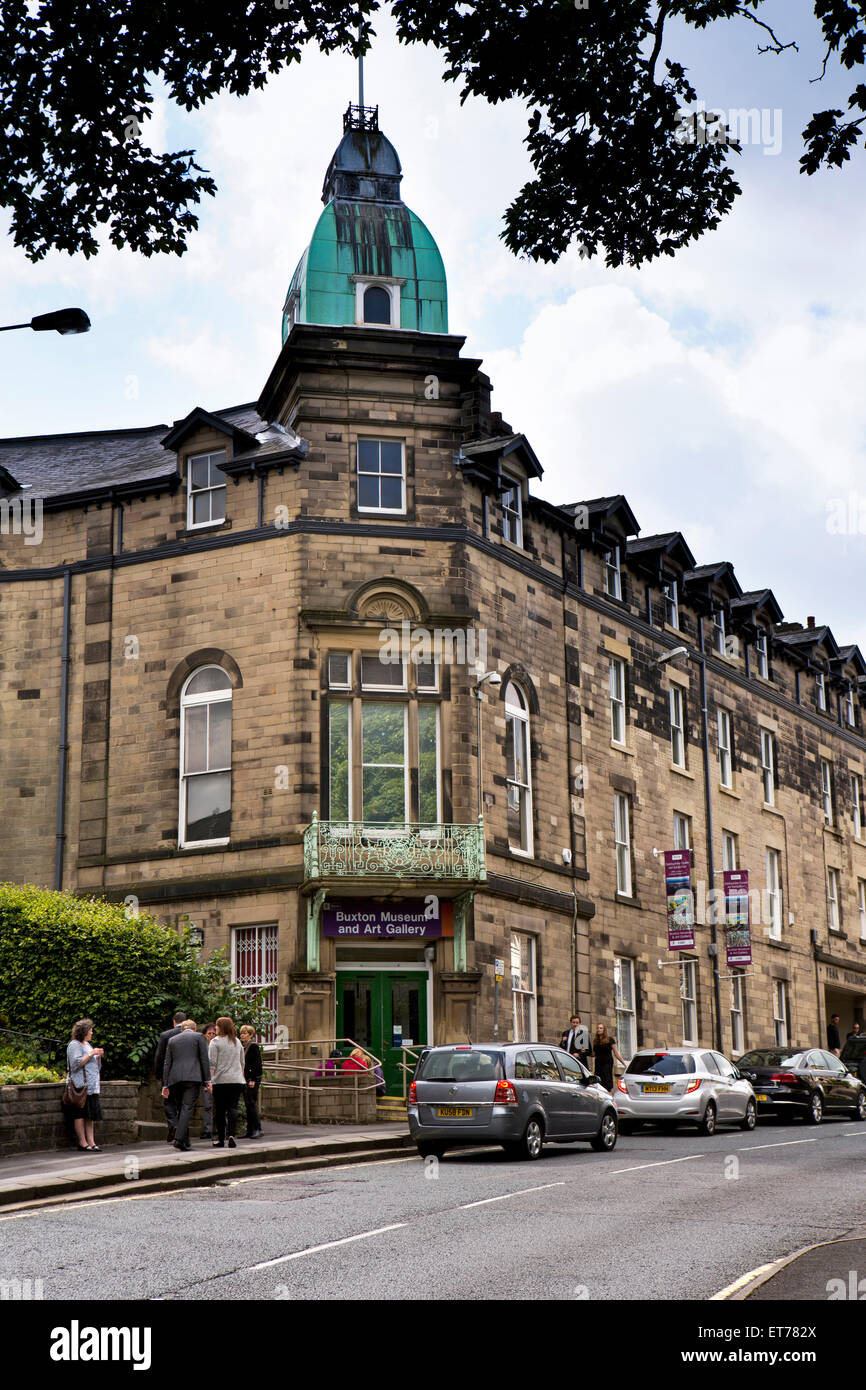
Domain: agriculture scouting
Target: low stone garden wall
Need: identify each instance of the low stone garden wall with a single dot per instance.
(31, 1116)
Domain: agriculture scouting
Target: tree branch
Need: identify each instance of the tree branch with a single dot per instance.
(776, 46)
(659, 30)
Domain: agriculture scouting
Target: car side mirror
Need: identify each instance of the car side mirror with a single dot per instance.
(592, 1080)
(738, 1076)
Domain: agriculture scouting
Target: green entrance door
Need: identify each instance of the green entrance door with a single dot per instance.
(379, 1008)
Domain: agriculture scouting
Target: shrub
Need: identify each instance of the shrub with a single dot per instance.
(22, 1076)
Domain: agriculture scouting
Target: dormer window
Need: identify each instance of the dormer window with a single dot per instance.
(206, 490)
(672, 606)
(761, 654)
(377, 302)
(821, 690)
(512, 514)
(849, 707)
(612, 574)
(719, 630)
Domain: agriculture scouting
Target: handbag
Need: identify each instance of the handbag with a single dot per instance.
(74, 1096)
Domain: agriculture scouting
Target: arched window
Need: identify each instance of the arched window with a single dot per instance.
(377, 305)
(205, 757)
(517, 770)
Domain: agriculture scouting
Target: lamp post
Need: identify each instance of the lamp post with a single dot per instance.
(494, 678)
(64, 321)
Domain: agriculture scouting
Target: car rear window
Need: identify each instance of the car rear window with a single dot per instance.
(770, 1058)
(663, 1064)
(460, 1066)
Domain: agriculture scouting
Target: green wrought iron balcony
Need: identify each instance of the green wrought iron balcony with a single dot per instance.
(357, 849)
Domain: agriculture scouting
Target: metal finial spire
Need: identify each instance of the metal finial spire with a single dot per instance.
(360, 75)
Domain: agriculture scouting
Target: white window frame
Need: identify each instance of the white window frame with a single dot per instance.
(517, 938)
(613, 573)
(625, 1007)
(622, 842)
(512, 516)
(689, 1000)
(340, 685)
(719, 634)
(761, 652)
(672, 603)
(773, 862)
(520, 718)
(857, 804)
(729, 852)
(738, 1035)
(393, 289)
(616, 683)
(678, 731)
(768, 767)
(207, 697)
(380, 511)
(861, 906)
(834, 897)
(367, 687)
(682, 830)
(821, 692)
(266, 937)
(849, 707)
(780, 1013)
(827, 791)
(192, 492)
(724, 725)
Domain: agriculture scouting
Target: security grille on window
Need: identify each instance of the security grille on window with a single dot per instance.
(780, 1012)
(624, 1006)
(724, 739)
(827, 791)
(623, 844)
(834, 912)
(768, 767)
(517, 770)
(616, 680)
(774, 893)
(254, 967)
(738, 1035)
(381, 480)
(512, 515)
(761, 658)
(523, 986)
(612, 574)
(678, 737)
(206, 489)
(672, 604)
(205, 745)
(689, 998)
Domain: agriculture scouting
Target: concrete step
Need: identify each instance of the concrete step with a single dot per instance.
(151, 1129)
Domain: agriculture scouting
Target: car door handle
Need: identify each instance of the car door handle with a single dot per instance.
(545, 1093)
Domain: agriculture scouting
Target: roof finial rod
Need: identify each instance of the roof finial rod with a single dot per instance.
(360, 74)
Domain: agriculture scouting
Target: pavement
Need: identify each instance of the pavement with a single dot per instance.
(41, 1179)
(829, 1271)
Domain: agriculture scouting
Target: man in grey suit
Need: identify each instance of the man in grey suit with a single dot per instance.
(186, 1070)
(159, 1066)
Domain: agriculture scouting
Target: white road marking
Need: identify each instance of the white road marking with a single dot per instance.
(663, 1164)
(505, 1195)
(783, 1144)
(329, 1245)
(742, 1281)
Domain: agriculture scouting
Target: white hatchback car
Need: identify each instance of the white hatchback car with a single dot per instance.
(683, 1085)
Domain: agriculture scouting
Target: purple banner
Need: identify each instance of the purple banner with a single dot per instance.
(365, 919)
(680, 902)
(738, 936)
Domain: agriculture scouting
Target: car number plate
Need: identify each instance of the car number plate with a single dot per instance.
(454, 1112)
(761, 1097)
(656, 1090)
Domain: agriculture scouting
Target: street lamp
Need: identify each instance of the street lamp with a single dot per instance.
(494, 679)
(65, 321)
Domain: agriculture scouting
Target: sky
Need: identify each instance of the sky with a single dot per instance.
(721, 391)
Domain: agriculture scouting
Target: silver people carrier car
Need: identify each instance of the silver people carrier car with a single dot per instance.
(519, 1095)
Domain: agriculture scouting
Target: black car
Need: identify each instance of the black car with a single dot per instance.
(854, 1055)
(811, 1084)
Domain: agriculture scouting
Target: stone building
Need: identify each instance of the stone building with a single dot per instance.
(240, 675)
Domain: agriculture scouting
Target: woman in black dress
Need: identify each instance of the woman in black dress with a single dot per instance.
(252, 1081)
(604, 1050)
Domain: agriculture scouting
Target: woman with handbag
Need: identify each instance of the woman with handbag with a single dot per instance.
(82, 1084)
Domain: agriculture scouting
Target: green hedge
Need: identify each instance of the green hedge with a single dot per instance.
(63, 958)
(25, 1076)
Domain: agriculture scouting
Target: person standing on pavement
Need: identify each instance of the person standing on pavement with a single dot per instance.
(605, 1049)
(159, 1067)
(252, 1080)
(83, 1062)
(834, 1041)
(576, 1040)
(855, 1032)
(227, 1074)
(209, 1033)
(186, 1070)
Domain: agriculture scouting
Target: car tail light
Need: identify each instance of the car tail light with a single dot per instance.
(785, 1078)
(413, 1094)
(621, 1086)
(693, 1085)
(504, 1094)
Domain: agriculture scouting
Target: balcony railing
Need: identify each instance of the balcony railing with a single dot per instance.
(356, 849)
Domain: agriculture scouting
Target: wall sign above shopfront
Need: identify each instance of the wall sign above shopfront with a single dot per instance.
(366, 919)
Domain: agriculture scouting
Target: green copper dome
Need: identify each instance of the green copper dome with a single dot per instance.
(371, 260)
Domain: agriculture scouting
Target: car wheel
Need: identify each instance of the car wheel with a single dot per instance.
(708, 1123)
(605, 1140)
(533, 1138)
(860, 1107)
(430, 1150)
(815, 1113)
(750, 1119)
